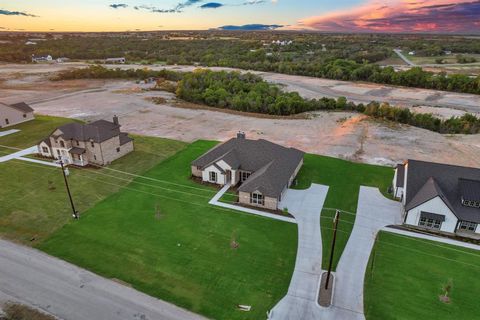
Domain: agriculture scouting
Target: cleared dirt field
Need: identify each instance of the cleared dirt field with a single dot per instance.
(344, 135)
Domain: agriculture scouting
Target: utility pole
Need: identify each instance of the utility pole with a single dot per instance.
(335, 225)
(75, 212)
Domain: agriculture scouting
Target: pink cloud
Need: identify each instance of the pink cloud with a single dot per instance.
(401, 16)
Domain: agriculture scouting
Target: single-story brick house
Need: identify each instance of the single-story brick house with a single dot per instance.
(262, 170)
(99, 142)
(439, 197)
(12, 114)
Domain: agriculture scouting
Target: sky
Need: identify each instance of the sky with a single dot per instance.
(436, 16)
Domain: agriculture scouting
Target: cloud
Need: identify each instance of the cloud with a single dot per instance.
(177, 8)
(16, 13)
(442, 16)
(118, 6)
(253, 2)
(251, 27)
(211, 5)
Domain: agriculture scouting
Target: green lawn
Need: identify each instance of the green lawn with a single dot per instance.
(34, 202)
(31, 132)
(405, 277)
(166, 240)
(344, 179)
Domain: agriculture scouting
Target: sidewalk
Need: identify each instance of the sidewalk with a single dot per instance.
(215, 201)
(432, 238)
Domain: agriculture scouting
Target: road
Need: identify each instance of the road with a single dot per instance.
(68, 292)
(405, 59)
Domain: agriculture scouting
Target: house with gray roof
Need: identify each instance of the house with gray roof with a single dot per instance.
(439, 197)
(261, 170)
(97, 143)
(12, 114)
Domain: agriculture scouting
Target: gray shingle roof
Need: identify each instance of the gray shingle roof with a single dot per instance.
(97, 131)
(425, 179)
(469, 189)
(272, 165)
(124, 138)
(21, 106)
(77, 150)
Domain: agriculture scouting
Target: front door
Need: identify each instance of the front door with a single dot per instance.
(229, 176)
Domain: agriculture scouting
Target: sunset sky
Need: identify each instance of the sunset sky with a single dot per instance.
(446, 16)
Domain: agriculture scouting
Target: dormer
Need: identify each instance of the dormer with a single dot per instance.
(470, 192)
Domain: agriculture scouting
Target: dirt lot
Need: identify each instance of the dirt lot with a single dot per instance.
(345, 135)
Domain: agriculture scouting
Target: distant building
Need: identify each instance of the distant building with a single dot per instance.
(38, 59)
(30, 43)
(62, 60)
(120, 60)
(12, 114)
(439, 197)
(411, 53)
(99, 142)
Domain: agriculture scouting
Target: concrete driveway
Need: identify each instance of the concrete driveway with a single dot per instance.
(59, 288)
(374, 212)
(301, 299)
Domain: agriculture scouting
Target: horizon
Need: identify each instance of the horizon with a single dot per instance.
(351, 16)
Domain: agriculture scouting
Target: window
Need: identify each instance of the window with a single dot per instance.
(24, 115)
(471, 203)
(212, 176)
(92, 144)
(62, 144)
(94, 157)
(118, 149)
(7, 122)
(58, 153)
(78, 143)
(257, 198)
(467, 226)
(244, 176)
(44, 149)
(430, 223)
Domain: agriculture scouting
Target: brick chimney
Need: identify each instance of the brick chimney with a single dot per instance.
(115, 120)
(241, 135)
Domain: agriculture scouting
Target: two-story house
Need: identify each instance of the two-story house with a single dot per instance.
(99, 142)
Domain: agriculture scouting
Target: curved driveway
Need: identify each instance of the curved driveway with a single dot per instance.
(301, 299)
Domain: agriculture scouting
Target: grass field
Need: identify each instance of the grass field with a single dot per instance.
(344, 179)
(165, 240)
(34, 202)
(406, 276)
(31, 133)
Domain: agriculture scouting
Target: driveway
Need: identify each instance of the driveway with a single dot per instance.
(301, 300)
(34, 278)
(19, 155)
(374, 212)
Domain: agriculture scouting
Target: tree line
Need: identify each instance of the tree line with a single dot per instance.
(250, 93)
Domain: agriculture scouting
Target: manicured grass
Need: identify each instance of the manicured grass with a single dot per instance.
(406, 276)
(165, 240)
(344, 179)
(31, 132)
(34, 201)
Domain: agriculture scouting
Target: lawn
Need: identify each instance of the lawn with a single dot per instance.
(31, 132)
(34, 202)
(161, 236)
(344, 179)
(406, 276)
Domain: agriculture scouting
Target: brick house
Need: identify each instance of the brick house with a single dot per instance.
(99, 142)
(262, 170)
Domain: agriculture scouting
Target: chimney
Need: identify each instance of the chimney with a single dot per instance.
(241, 135)
(115, 120)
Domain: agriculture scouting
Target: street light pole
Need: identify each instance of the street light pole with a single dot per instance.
(75, 212)
(335, 225)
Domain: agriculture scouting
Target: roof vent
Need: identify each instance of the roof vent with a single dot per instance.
(241, 135)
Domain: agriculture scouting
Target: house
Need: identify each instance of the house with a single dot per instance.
(98, 143)
(38, 59)
(115, 60)
(262, 170)
(12, 114)
(439, 197)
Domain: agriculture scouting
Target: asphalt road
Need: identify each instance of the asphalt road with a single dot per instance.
(402, 56)
(34, 278)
